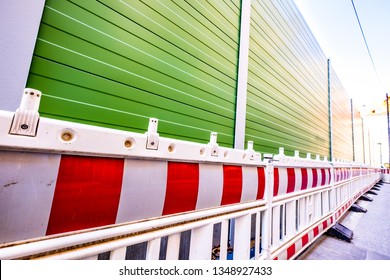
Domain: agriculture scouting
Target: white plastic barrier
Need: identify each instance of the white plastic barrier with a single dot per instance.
(74, 192)
(385, 175)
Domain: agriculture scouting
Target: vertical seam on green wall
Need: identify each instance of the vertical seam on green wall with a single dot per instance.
(242, 79)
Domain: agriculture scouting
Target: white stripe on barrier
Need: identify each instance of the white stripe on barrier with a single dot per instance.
(27, 184)
(298, 179)
(249, 184)
(143, 190)
(283, 179)
(309, 178)
(210, 185)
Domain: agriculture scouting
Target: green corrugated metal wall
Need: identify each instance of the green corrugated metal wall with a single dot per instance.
(287, 86)
(118, 63)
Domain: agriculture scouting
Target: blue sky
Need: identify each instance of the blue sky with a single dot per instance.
(334, 24)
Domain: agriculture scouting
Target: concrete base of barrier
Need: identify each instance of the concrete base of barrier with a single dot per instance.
(341, 232)
(357, 208)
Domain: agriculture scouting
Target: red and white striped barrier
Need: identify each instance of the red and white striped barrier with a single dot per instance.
(46, 194)
(385, 175)
(69, 178)
(303, 240)
(290, 180)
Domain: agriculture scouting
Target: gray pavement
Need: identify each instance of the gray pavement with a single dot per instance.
(371, 233)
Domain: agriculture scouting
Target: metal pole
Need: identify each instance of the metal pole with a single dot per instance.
(242, 79)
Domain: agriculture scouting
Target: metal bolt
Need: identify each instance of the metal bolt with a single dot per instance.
(24, 126)
(66, 136)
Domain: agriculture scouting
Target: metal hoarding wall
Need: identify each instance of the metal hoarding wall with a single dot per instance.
(287, 85)
(118, 63)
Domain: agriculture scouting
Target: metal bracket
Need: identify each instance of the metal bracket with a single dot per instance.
(26, 118)
(249, 151)
(213, 144)
(152, 135)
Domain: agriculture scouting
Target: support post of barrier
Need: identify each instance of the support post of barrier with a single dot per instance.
(267, 220)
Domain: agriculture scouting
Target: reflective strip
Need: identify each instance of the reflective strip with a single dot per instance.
(27, 182)
(298, 179)
(298, 245)
(291, 180)
(182, 187)
(249, 184)
(283, 180)
(87, 193)
(291, 251)
(305, 240)
(282, 256)
(232, 184)
(143, 190)
(260, 182)
(276, 181)
(315, 177)
(210, 185)
(280, 181)
(304, 178)
(309, 178)
(316, 231)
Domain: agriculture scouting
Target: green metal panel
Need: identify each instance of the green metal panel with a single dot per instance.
(342, 121)
(358, 136)
(118, 63)
(287, 84)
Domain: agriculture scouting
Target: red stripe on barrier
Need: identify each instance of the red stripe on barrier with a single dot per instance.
(316, 231)
(304, 178)
(305, 240)
(290, 251)
(182, 187)
(290, 180)
(323, 177)
(276, 181)
(315, 177)
(260, 183)
(325, 224)
(87, 193)
(232, 184)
